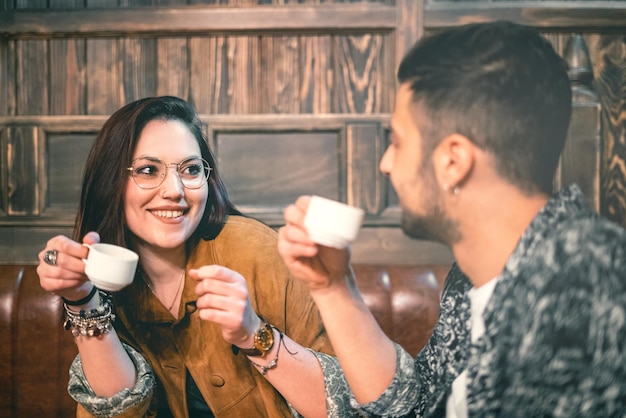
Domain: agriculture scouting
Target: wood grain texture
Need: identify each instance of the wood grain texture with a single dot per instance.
(608, 55)
(364, 181)
(104, 88)
(317, 74)
(335, 18)
(173, 67)
(67, 76)
(139, 65)
(7, 77)
(360, 75)
(24, 171)
(31, 78)
(279, 90)
(208, 83)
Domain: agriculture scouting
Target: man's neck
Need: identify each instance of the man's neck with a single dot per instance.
(489, 236)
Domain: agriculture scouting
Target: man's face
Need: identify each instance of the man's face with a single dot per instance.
(413, 176)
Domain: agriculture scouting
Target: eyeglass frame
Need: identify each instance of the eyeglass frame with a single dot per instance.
(205, 163)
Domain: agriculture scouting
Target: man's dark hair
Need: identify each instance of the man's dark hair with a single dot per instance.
(502, 86)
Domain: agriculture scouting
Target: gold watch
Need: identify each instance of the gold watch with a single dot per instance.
(263, 341)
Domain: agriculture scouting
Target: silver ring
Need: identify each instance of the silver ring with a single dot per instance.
(50, 257)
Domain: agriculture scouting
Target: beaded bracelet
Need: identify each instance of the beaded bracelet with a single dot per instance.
(274, 363)
(93, 323)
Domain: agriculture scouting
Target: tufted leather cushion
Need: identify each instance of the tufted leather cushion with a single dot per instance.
(36, 352)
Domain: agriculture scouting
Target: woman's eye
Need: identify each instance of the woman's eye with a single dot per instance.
(147, 170)
(192, 169)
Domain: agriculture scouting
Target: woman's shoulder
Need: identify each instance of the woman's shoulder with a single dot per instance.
(238, 226)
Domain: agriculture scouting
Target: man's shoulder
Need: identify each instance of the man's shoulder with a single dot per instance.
(588, 232)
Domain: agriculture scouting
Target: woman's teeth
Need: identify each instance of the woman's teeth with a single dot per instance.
(168, 213)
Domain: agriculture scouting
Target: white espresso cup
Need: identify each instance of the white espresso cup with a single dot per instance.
(331, 223)
(110, 267)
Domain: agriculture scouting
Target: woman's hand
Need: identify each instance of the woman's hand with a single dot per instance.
(317, 266)
(223, 299)
(66, 277)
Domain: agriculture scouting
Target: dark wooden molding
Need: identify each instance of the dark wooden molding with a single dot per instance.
(567, 16)
(327, 18)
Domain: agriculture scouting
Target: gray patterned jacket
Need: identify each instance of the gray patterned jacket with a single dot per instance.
(555, 338)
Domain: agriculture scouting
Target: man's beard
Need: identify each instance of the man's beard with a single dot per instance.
(434, 226)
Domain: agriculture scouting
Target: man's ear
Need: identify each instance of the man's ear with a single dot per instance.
(453, 161)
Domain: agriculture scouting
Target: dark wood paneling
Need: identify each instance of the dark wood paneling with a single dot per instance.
(266, 171)
(65, 160)
(365, 17)
(208, 82)
(608, 55)
(172, 67)
(549, 15)
(67, 76)
(24, 171)
(32, 77)
(316, 80)
(361, 75)
(139, 60)
(364, 151)
(104, 95)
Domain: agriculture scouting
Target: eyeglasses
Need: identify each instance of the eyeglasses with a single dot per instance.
(149, 173)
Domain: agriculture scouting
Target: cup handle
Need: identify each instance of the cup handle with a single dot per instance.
(84, 259)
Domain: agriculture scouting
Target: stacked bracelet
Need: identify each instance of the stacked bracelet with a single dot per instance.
(82, 301)
(93, 323)
(274, 363)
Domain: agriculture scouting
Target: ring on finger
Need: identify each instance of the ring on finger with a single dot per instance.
(50, 257)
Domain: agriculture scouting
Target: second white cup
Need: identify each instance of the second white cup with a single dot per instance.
(331, 223)
(110, 267)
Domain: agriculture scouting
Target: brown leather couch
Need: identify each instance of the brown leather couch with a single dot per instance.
(35, 351)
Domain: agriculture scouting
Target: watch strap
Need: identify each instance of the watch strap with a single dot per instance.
(256, 351)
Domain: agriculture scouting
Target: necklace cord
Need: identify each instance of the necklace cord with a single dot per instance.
(149, 284)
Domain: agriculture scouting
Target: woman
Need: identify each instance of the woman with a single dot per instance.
(180, 340)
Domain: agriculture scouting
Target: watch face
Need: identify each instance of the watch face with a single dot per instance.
(264, 339)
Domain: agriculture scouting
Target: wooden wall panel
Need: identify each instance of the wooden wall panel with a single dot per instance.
(31, 79)
(207, 83)
(242, 94)
(67, 76)
(364, 151)
(24, 171)
(139, 60)
(608, 55)
(317, 75)
(360, 70)
(7, 75)
(66, 154)
(279, 91)
(173, 67)
(103, 69)
(265, 171)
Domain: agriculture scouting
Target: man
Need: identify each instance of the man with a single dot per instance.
(533, 313)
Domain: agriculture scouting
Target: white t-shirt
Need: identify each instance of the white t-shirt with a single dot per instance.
(456, 406)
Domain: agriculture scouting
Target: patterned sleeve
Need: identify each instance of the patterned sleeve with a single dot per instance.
(401, 395)
(121, 402)
(340, 401)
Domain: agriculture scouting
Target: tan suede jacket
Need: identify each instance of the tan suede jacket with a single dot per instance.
(229, 383)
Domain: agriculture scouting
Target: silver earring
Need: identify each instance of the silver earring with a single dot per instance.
(456, 191)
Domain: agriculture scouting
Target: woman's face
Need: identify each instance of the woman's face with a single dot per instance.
(166, 216)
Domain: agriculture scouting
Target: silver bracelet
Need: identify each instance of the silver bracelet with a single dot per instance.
(93, 323)
(274, 363)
